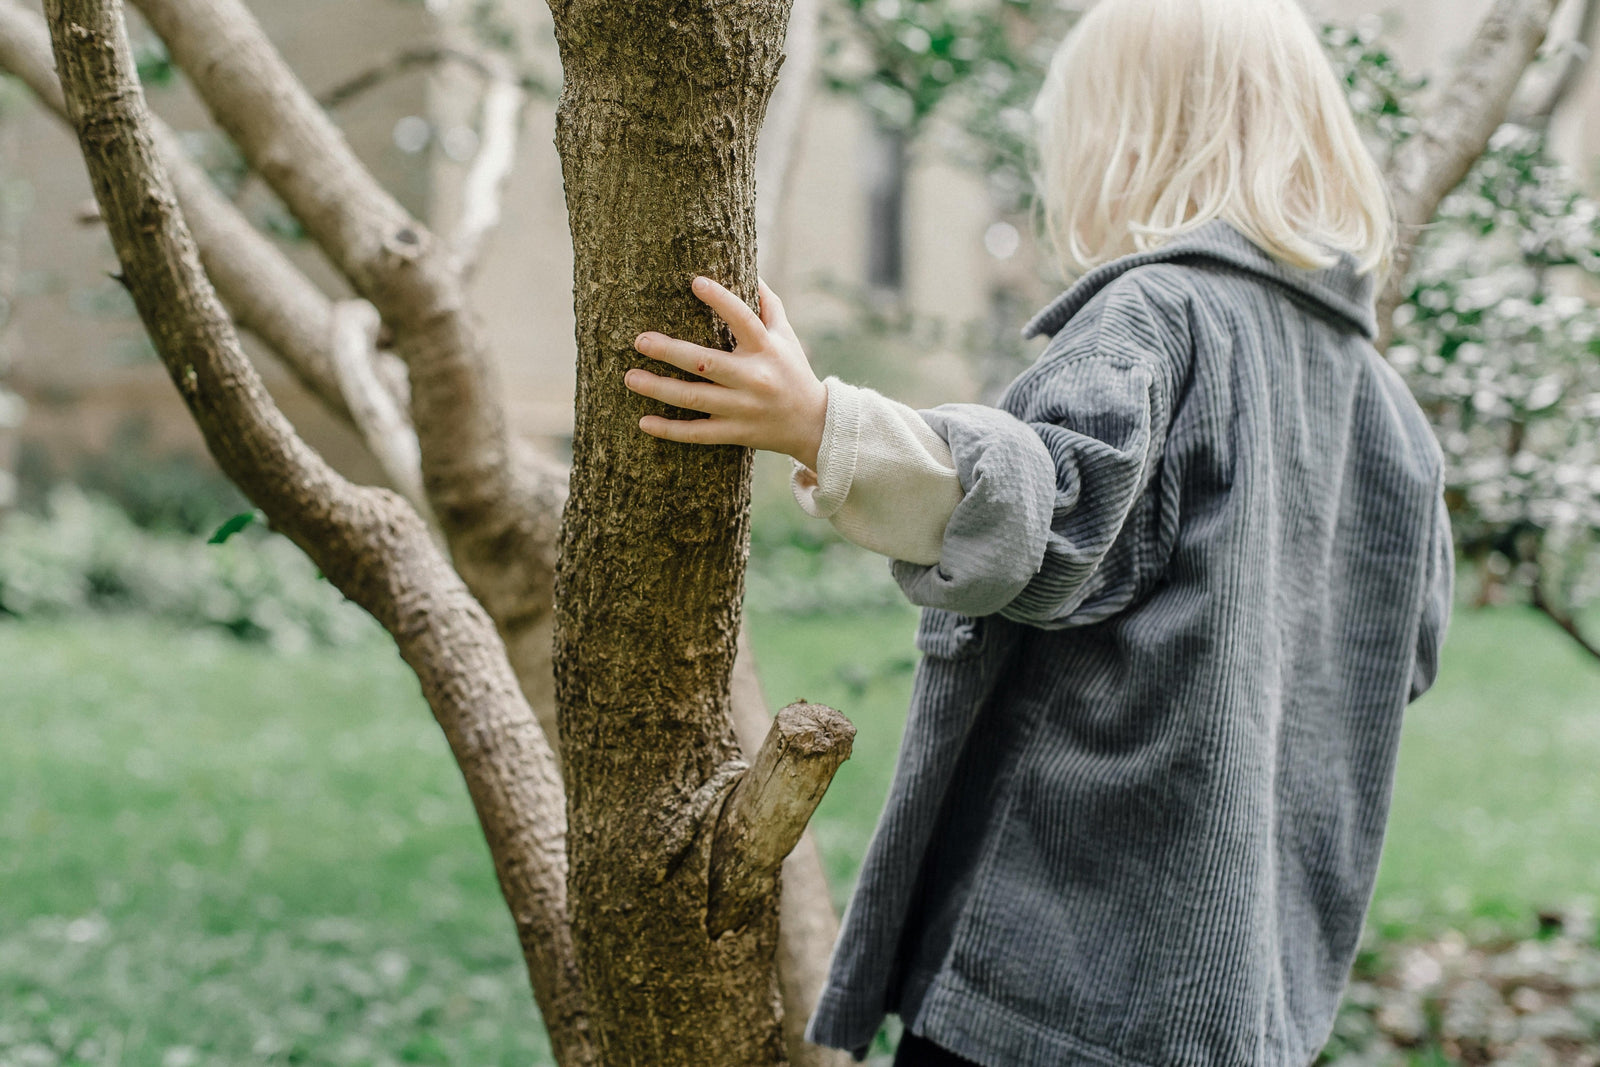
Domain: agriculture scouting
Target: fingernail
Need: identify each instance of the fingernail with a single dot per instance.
(639, 342)
(701, 284)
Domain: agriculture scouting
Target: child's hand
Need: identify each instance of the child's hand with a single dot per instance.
(761, 395)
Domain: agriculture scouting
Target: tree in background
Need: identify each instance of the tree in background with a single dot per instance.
(639, 865)
(1498, 335)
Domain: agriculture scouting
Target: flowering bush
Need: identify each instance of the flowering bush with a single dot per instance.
(1499, 339)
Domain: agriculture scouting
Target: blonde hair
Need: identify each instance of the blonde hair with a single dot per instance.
(1158, 116)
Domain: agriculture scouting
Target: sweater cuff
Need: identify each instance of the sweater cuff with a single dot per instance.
(821, 493)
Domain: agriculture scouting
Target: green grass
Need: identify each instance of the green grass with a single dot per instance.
(213, 854)
(1496, 811)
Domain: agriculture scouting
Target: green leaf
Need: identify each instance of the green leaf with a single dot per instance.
(233, 526)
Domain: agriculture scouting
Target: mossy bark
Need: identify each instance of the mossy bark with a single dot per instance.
(657, 129)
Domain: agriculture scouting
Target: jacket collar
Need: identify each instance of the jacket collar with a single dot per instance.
(1339, 288)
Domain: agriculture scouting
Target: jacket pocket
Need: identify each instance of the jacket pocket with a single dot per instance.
(948, 635)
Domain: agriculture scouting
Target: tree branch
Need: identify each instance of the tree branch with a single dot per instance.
(368, 543)
(268, 295)
(485, 181)
(1567, 623)
(497, 506)
(1457, 130)
(1573, 56)
(768, 809)
(373, 408)
(401, 62)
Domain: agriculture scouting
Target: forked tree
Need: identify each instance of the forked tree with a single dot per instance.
(641, 865)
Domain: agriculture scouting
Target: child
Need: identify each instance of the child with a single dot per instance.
(1179, 585)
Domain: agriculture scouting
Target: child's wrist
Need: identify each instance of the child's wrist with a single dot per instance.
(810, 426)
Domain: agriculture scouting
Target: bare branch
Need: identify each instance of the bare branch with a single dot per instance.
(807, 924)
(25, 54)
(402, 62)
(1536, 109)
(489, 499)
(1457, 130)
(485, 181)
(769, 808)
(372, 404)
(366, 541)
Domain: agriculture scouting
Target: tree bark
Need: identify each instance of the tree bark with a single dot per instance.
(768, 809)
(657, 130)
(1457, 129)
(807, 924)
(367, 541)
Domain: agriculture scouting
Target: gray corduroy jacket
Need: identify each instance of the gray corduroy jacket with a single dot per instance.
(1201, 566)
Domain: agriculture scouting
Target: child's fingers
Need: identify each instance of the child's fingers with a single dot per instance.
(771, 307)
(696, 396)
(710, 363)
(747, 327)
(689, 431)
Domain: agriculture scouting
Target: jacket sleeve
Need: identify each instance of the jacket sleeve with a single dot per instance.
(884, 479)
(1437, 594)
(1056, 527)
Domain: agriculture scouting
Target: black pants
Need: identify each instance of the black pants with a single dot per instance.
(915, 1051)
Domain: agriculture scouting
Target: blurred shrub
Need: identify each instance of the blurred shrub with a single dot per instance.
(801, 579)
(166, 492)
(85, 554)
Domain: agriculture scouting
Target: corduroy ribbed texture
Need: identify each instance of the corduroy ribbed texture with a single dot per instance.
(1200, 567)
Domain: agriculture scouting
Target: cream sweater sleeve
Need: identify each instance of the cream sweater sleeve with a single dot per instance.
(884, 478)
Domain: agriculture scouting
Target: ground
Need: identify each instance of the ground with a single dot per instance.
(213, 853)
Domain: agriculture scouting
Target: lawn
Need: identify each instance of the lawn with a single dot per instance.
(210, 853)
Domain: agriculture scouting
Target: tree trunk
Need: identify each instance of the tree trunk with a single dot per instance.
(657, 129)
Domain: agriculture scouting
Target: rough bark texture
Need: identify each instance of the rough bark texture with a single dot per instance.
(367, 541)
(807, 924)
(1457, 129)
(657, 128)
(767, 811)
